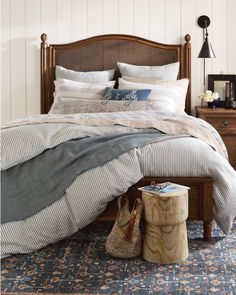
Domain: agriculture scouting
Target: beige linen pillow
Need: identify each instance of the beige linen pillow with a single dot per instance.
(66, 89)
(74, 106)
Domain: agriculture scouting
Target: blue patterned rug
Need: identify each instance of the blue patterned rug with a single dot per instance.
(80, 265)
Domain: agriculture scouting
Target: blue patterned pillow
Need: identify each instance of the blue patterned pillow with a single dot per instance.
(126, 94)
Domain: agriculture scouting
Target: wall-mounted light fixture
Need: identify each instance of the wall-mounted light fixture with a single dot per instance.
(206, 50)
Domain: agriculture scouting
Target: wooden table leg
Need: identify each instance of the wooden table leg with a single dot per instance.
(207, 227)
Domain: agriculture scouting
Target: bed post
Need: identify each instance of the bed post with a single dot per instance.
(187, 62)
(43, 68)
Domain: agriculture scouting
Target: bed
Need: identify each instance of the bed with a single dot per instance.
(100, 53)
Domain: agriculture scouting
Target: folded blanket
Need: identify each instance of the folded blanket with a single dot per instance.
(167, 123)
(32, 186)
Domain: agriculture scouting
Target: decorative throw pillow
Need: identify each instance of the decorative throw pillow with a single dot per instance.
(88, 77)
(65, 89)
(166, 92)
(74, 106)
(164, 72)
(126, 94)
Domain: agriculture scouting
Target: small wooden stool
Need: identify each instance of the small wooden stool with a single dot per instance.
(165, 238)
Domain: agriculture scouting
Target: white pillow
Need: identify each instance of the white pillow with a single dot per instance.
(74, 106)
(171, 93)
(65, 89)
(88, 77)
(165, 72)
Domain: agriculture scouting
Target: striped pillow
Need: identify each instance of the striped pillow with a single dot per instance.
(170, 94)
(66, 89)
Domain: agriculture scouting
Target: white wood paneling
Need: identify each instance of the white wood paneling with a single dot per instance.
(5, 62)
(142, 18)
(172, 21)
(32, 63)
(95, 17)
(110, 19)
(126, 17)
(219, 40)
(49, 19)
(157, 20)
(165, 21)
(18, 59)
(64, 21)
(231, 37)
(79, 19)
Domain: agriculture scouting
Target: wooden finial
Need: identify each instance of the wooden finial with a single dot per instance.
(187, 38)
(44, 38)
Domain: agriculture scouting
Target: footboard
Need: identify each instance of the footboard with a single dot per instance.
(200, 199)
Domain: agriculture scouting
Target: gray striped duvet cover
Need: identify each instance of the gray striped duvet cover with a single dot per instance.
(89, 194)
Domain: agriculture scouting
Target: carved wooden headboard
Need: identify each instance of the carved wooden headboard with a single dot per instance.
(102, 52)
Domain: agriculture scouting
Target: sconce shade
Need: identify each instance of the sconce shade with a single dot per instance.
(206, 50)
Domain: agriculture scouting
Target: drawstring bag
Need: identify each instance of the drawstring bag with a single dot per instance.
(124, 240)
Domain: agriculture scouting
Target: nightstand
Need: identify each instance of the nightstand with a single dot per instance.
(224, 120)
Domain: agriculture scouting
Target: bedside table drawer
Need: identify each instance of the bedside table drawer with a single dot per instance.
(222, 122)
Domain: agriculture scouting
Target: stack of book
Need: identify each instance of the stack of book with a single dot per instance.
(162, 189)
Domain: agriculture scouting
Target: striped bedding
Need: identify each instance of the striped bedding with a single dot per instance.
(89, 194)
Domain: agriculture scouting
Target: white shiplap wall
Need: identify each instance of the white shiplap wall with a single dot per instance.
(167, 21)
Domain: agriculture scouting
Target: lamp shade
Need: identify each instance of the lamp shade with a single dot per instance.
(206, 50)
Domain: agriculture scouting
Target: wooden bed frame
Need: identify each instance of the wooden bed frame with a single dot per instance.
(101, 53)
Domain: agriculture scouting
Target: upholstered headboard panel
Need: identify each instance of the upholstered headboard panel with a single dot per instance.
(103, 52)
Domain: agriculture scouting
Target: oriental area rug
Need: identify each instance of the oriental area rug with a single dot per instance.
(80, 265)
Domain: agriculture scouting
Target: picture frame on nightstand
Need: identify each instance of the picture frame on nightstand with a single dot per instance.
(217, 83)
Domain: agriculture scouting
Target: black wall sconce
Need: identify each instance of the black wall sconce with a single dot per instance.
(206, 50)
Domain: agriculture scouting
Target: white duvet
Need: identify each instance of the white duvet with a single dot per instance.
(89, 194)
